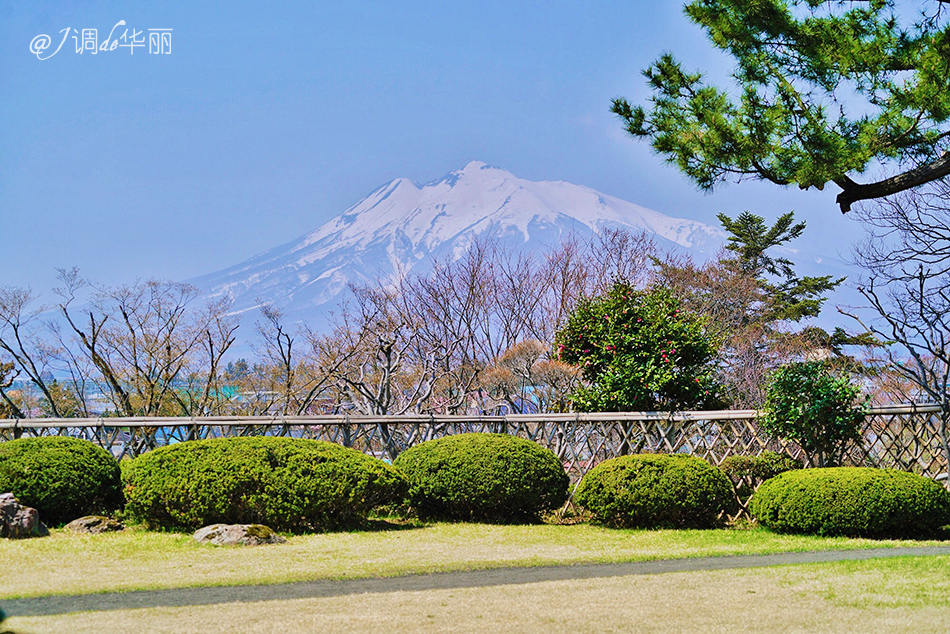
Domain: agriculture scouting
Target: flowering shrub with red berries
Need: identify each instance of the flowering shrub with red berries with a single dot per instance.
(639, 351)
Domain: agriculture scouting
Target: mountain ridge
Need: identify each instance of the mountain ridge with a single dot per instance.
(403, 226)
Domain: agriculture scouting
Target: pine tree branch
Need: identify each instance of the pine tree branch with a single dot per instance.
(926, 173)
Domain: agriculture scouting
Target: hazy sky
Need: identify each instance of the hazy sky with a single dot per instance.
(265, 122)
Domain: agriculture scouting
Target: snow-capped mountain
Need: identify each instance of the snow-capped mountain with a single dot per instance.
(401, 226)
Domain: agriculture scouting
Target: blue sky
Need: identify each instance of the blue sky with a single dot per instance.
(265, 122)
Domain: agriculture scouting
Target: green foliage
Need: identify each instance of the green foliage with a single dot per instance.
(747, 473)
(750, 238)
(820, 411)
(285, 483)
(656, 491)
(63, 478)
(823, 90)
(483, 477)
(852, 501)
(762, 467)
(792, 298)
(752, 300)
(639, 351)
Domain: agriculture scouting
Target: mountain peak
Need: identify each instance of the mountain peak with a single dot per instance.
(478, 166)
(472, 170)
(402, 226)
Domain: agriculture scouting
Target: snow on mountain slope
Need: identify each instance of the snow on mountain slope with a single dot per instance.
(402, 226)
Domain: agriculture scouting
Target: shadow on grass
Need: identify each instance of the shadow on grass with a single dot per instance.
(2, 619)
(379, 524)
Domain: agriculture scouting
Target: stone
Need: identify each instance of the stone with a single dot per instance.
(237, 535)
(94, 525)
(18, 521)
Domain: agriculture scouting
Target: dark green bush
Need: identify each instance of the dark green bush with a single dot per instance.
(639, 351)
(483, 477)
(63, 478)
(852, 501)
(285, 483)
(762, 467)
(747, 473)
(656, 491)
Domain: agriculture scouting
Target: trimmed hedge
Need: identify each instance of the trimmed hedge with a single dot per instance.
(656, 491)
(852, 501)
(287, 484)
(483, 478)
(762, 467)
(63, 478)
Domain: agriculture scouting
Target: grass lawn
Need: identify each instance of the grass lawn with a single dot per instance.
(131, 560)
(883, 595)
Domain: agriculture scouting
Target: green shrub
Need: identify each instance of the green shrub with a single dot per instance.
(285, 483)
(639, 350)
(762, 467)
(820, 411)
(852, 501)
(656, 491)
(747, 473)
(483, 477)
(63, 478)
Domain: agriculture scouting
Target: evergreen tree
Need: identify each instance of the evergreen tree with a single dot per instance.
(639, 351)
(755, 304)
(824, 91)
(790, 298)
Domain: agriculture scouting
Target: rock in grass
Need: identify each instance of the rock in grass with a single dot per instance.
(18, 521)
(94, 525)
(237, 535)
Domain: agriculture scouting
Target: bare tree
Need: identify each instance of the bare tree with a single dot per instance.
(298, 367)
(205, 394)
(20, 339)
(907, 286)
(278, 355)
(526, 380)
(146, 342)
(906, 232)
(391, 369)
(449, 309)
(79, 370)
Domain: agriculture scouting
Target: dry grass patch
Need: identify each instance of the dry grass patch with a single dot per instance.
(73, 564)
(901, 594)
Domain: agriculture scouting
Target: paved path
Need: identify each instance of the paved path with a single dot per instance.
(176, 597)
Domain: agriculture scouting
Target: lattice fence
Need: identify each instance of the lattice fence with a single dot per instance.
(901, 437)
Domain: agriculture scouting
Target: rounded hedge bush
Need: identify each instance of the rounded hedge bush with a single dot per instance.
(762, 467)
(288, 484)
(852, 501)
(63, 478)
(483, 478)
(656, 491)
